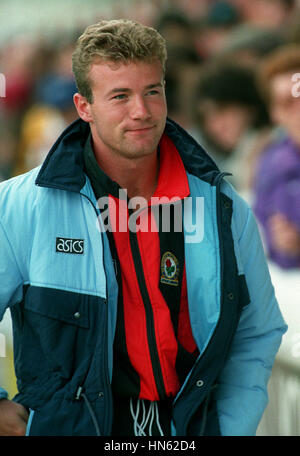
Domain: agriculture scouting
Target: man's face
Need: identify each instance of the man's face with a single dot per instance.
(128, 113)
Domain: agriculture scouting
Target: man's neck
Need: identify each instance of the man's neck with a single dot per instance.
(137, 176)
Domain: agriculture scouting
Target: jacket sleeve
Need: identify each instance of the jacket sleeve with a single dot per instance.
(242, 393)
(11, 282)
(11, 279)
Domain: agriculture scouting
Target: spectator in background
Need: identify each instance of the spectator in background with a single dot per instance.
(182, 71)
(7, 150)
(213, 28)
(51, 108)
(45, 120)
(272, 14)
(38, 100)
(182, 65)
(292, 33)
(176, 28)
(277, 182)
(249, 45)
(231, 116)
(15, 61)
(192, 8)
(16, 64)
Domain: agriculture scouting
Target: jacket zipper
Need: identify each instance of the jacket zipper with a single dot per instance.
(156, 367)
(109, 410)
(218, 181)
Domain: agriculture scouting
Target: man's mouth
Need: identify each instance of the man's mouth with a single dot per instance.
(141, 130)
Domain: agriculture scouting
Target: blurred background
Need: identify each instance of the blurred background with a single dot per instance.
(232, 81)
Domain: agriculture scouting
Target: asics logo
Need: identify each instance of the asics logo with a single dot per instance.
(67, 245)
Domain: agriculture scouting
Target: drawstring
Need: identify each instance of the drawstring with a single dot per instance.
(93, 416)
(139, 429)
(80, 394)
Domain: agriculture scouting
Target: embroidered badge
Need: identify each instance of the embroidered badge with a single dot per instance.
(67, 245)
(169, 269)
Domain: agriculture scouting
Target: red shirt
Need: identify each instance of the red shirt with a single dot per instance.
(154, 347)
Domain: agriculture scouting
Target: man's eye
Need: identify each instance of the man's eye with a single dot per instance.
(121, 96)
(152, 92)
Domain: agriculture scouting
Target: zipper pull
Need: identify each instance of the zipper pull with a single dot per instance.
(78, 393)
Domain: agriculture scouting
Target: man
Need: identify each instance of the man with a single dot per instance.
(120, 330)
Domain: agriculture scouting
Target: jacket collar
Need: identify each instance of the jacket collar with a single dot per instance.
(63, 167)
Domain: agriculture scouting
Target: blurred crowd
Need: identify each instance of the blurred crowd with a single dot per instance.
(232, 81)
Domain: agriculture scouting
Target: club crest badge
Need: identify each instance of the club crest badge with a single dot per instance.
(169, 269)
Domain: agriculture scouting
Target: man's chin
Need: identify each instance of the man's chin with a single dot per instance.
(140, 150)
(139, 153)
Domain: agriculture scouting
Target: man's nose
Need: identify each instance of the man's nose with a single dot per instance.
(139, 109)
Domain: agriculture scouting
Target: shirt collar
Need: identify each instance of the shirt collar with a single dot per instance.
(101, 183)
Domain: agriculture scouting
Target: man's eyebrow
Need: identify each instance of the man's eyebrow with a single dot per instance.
(152, 86)
(125, 89)
(118, 89)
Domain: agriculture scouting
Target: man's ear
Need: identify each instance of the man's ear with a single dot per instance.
(83, 107)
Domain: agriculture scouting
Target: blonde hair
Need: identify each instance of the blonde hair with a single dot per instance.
(120, 41)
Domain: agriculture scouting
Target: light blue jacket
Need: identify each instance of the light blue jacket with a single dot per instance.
(64, 305)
